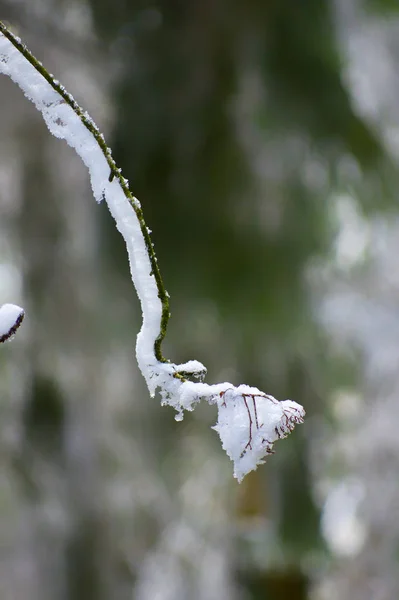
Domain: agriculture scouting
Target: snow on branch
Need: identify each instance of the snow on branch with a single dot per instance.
(11, 317)
(249, 421)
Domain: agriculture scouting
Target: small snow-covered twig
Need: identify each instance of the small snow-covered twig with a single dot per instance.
(249, 421)
(11, 317)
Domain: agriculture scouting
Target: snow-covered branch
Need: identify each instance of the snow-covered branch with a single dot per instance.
(249, 421)
(11, 317)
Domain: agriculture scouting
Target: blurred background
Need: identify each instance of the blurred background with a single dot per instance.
(262, 138)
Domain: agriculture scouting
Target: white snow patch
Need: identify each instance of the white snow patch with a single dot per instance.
(11, 317)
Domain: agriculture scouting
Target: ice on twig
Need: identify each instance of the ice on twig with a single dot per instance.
(249, 421)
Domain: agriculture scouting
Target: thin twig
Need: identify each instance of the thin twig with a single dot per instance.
(115, 172)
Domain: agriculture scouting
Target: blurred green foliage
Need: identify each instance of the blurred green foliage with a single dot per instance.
(382, 6)
(223, 107)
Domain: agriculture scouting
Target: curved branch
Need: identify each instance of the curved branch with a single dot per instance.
(115, 172)
(249, 421)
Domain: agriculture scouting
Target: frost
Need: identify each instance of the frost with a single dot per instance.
(249, 421)
(11, 317)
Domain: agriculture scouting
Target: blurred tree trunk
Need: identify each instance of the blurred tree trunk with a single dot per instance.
(211, 202)
(58, 459)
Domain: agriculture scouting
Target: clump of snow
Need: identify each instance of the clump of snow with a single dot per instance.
(249, 421)
(11, 317)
